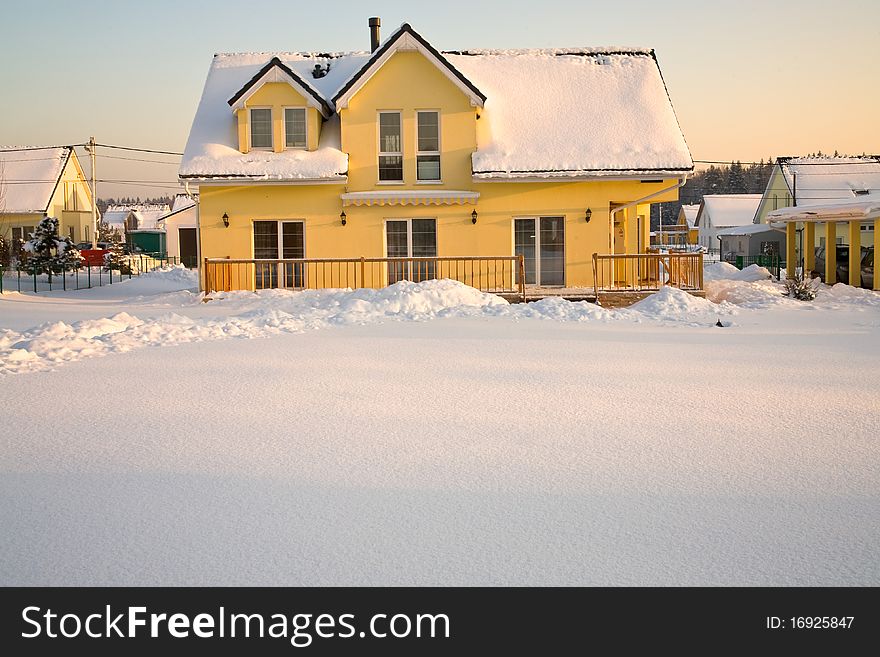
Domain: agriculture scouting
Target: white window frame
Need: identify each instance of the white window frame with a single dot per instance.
(305, 110)
(280, 237)
(271, 147)
(537, 219)
(409, 240)
(380, 152)
(435, 181)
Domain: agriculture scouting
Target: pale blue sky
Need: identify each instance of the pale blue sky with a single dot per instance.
(748, 78)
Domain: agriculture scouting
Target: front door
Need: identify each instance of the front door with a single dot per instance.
(188, 247)
(412, 239)
(541, 240)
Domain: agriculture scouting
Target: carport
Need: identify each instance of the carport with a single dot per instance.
(855, 214)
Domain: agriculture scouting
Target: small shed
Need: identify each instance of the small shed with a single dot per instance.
(752, 241)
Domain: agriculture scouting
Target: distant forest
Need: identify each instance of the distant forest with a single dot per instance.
(733, 178)
(103, 203)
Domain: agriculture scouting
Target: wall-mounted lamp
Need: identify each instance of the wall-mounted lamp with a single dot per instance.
(588, 215)
(474, 217)
(225, 220)
(342, 217)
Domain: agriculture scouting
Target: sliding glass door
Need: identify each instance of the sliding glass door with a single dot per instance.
(541, 240)
(412, 239)
(276, 240)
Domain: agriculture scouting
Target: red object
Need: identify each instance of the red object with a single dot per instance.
(93, 257)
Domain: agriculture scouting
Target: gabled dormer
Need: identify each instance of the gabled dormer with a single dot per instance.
(277, 110)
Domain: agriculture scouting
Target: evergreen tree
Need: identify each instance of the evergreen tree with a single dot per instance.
(736, 179)
(50, 252)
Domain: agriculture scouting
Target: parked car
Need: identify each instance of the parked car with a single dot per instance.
(93, 257)
(842, 256)
(843, 266)
(868, 269)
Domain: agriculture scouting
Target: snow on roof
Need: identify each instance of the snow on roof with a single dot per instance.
(555, 112)
(146, 214)
(864, 207)
(731, 209)
(183, 201)
(690, 213)
(548, 113)
(29, 175)
(749, 229)
(825, 179)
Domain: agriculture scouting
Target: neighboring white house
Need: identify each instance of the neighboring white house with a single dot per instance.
(181, 230)
(142, 216)
(813, 181)
(719, 211)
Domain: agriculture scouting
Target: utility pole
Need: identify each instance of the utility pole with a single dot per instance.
(90, 147)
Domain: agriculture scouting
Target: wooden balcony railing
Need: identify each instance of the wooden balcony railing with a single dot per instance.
(494, 274)
(646, 272)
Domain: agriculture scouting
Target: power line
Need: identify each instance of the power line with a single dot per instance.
(138, 150)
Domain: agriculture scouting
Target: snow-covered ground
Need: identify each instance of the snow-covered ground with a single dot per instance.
(431, 434)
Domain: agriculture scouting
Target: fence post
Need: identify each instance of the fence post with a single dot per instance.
(63, 278)
(34, 269)
(596, 276)
(522, 276)
(363, 272)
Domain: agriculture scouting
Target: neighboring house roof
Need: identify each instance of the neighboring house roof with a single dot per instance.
(865, 207)
(690, 213)
(29, 176)
(549, 113)
(182, 203)
(146, 215)
(725, 210)
(750, 229)
(824, 179)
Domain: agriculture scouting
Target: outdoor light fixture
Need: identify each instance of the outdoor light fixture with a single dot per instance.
(474, 217)
(225, 220)
(342, 217)
(588, 215)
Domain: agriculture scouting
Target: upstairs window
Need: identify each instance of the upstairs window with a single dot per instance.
(261, 128)
(428, 153)
(295, 127)
(390, 147)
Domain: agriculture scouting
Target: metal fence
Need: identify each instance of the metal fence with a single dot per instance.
(646, 272)
(23, 277)
(770, 262)
(495, 274)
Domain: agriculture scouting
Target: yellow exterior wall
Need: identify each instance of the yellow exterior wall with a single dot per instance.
(364, 233)
(425, 88)
(277, 96)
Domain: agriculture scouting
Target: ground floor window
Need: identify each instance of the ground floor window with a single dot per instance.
(541, 240)
(279, 240)
(412, 239)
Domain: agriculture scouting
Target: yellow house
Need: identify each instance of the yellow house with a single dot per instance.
(38, 182)
(438, 160)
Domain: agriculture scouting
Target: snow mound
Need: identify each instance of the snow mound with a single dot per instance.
(173, 274)
(718, 271)
(841, 293)
(673, 304)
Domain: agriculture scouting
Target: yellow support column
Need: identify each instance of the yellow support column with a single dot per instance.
(876, 233)
(855, 253)
(830, 253)
(790, 248)
(809, 248)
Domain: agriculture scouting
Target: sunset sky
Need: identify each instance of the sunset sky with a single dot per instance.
(748, 79)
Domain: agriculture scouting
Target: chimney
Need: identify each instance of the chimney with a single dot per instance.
(375, 22)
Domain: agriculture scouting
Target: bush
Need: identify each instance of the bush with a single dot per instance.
(801, 287)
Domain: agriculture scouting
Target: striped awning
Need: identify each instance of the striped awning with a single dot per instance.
(410, 197)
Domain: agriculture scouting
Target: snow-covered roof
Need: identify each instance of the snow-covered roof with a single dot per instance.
(865, 207)
(574, 112)
(825, 179)
(750, 229)
(690, 213)
(183, 201)
(29, 176)
(146, 214)
(725, 210)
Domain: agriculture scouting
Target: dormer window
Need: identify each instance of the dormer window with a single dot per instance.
(295, 127)
(261, 127)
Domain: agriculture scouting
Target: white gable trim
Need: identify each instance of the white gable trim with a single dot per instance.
(407, 43)
(275, 74)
